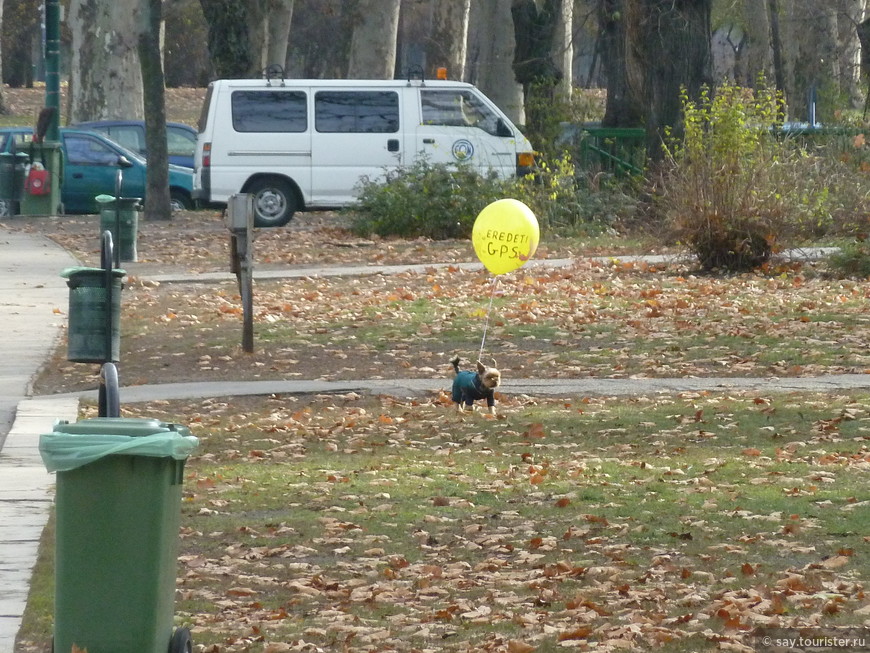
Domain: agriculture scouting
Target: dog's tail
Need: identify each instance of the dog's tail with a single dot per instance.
(455, 362)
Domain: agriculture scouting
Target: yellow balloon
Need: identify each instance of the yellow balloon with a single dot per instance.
(505, 235)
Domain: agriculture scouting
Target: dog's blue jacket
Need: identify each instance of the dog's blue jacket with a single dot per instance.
(468, 388)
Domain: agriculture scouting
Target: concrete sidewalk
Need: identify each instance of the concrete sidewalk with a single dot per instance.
(33, 300)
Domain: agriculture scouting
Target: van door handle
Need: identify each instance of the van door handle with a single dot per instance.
(429, 141)
(393, 145)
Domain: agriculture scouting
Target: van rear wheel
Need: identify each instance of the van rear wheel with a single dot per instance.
(274, 202)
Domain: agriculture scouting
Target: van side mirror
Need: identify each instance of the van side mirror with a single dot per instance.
(124, 162)
(501, 128)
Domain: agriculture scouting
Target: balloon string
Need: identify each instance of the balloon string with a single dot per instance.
(486, 322)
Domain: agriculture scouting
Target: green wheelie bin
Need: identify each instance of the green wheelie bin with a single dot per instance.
(118, 504)
(121, 217)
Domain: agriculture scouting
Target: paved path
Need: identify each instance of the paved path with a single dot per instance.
(411, 387)
(33, 301)
(33, 304)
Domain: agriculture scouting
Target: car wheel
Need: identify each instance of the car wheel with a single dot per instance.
(179, 201)
(274, 202)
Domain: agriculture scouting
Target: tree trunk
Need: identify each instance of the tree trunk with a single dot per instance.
(812, 49)
(447, 42)
(106, 79)
(3, 108)
(228, 38)
(563, 48)
(779, 72)
(534, 32)
(755, 59)
(493, 73)
(151, 58)
(373, 44)
(279, 17)
(851, 14)
(670, 50)
(622, 108)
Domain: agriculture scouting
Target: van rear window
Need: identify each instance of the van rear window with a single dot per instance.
(269, 111)
(369, 112)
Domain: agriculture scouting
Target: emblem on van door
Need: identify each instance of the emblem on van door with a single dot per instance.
(463, 150)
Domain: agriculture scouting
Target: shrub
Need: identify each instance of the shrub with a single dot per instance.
(853, 260)
(731, 190)
(436, 201)
(567, 201)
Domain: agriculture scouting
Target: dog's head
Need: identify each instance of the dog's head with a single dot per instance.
(490, 377)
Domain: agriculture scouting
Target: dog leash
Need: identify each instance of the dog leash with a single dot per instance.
(486, 322)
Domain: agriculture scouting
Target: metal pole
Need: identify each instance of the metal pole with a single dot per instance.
(119, 180)
(52, 67)
(106, 247)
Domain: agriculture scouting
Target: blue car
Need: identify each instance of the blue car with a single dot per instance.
(90, 165)
(180, 138)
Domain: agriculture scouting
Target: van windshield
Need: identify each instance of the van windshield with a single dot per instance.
(457, 108)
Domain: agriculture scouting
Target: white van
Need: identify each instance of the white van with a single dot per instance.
(304, 145)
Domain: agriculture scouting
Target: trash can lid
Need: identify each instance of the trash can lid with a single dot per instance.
(129, 426)
(69, 273)
(110, 199)
(71, 446)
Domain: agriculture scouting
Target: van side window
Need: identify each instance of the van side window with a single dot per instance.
(457, 108)
(369, 112)
(269, 111)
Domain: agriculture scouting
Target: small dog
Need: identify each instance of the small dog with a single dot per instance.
(469, 387)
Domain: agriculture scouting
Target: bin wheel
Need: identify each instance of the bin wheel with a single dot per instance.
(181, 641)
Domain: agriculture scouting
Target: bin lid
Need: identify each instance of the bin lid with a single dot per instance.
(73, 445)
(127, 202)
(129, 426)
(69, 273)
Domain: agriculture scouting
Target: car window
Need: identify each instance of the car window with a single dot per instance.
(459, 108)
(84, 150)
(130, 137)
(180, 142)
(19, 141)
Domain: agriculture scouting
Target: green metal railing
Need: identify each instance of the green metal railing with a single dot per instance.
(619, 151)
(622, 151)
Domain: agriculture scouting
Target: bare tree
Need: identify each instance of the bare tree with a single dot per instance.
(563, 47)
(157, 173)
(373, 44)
(3, 108)
(448, 40)
(105, 77)
(278, 18)
(268, 32)
(535, 23)
(670, 49)
(756, 59)
(851, 14)
(624, 105)
(229, 44)
(493, 72)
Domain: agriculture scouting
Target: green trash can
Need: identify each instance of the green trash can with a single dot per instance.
(118, 504)
(12, 165)
(122, 219)
(89, 337)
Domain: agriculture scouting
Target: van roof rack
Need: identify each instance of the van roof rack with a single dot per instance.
(418, 72)
(274, 71)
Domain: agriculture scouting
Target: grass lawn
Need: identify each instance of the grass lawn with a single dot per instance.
(377, 524)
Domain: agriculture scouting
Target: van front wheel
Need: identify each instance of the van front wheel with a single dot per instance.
(274, 202)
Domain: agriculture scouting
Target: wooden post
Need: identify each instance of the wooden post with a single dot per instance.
(239, 219)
